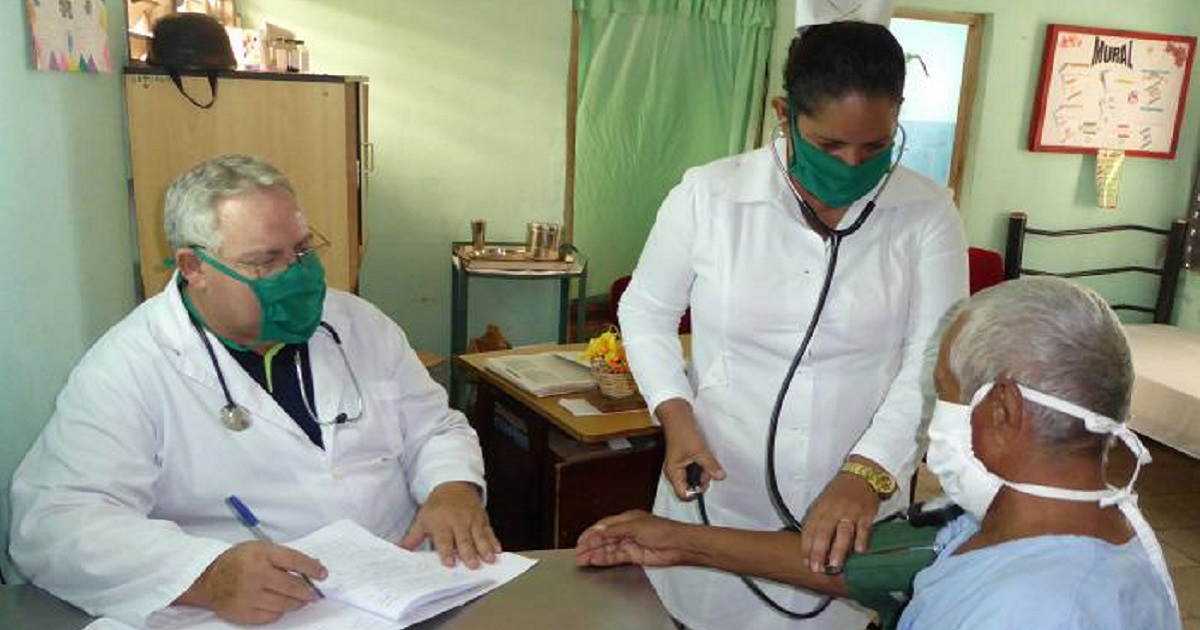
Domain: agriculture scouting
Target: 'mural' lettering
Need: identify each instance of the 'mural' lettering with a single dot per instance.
(1104, 53)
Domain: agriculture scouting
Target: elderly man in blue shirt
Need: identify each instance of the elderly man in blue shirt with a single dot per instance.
(1033, 380)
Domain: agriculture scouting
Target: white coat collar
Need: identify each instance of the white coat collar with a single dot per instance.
(170, 325)
(755, 177)
(172, 330)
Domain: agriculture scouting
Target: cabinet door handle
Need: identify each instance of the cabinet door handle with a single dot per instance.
(369, 157)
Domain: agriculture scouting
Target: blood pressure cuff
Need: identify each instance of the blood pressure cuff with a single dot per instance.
(881, 578)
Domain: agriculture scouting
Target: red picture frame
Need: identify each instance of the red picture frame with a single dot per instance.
(1111, 89)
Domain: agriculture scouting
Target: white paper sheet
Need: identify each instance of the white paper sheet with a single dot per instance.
(372, 585)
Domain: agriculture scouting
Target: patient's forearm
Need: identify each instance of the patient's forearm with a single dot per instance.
(772, 555)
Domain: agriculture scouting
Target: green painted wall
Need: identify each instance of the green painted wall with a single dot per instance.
(468, 117)
(64, 230)
(468, 110)
(1057, 190)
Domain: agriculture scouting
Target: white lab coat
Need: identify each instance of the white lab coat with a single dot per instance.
(119, 505)
(729, 242)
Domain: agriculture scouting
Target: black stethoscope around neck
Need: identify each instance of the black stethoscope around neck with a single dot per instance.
(235, 417)
(834, 236)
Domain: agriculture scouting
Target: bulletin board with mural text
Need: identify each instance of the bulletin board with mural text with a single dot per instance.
(1111, 89)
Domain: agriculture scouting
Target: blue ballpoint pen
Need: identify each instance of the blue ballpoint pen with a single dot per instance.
(248, 519)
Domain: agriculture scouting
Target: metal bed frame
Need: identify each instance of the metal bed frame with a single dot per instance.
(1168, 273)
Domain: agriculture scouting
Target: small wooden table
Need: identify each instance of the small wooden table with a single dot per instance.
(551, 474)
(460, 282)
(588, 429)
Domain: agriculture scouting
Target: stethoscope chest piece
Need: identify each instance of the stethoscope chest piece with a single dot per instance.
(234, 418)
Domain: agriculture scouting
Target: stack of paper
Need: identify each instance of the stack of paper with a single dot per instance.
(372, 584)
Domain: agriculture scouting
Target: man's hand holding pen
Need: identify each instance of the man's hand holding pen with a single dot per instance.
(254, 583)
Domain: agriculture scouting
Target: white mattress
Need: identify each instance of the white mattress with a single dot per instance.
(1166, 389)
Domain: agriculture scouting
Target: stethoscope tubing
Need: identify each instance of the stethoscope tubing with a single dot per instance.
(232, 415)
(834, 237)
(236, 418)
(341, 418)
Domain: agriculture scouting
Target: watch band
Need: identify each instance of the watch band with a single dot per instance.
(878, 479)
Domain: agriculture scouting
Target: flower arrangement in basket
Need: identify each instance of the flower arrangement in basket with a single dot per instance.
(606, 354)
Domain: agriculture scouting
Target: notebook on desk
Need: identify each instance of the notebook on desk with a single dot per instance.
(372, 584)
(545, 374)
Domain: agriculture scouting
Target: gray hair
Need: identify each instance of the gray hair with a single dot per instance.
(190, 208)
(1051, 335)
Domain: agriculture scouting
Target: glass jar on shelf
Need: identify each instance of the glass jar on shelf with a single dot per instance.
(297, 56)
(277, 54)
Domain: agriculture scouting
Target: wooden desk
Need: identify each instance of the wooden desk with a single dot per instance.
(551, 595)
(588, 429)
(552, 474)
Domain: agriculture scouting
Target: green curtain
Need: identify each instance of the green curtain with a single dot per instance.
(663, 85)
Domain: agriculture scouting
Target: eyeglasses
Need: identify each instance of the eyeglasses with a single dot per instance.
(267, 265)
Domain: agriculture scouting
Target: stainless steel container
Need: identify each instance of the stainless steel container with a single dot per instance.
(542, 240)
(478, 235)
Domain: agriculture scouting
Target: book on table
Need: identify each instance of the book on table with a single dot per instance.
(544, 374)
(372, 584)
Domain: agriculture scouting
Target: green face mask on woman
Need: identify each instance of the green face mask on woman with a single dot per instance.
(290, 301)
(832, 181)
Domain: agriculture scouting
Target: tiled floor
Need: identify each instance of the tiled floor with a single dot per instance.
(1169, 490)
(1170, 499)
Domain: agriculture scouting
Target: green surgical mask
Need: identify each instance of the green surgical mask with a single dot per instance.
(290, 301)
(831, 180)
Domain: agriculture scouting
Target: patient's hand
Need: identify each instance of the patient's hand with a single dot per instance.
(254, 583)
(634, 537)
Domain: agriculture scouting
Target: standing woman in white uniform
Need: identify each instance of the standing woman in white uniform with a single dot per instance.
(734, 243)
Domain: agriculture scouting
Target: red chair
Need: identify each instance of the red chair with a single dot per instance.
(984, 268)
(617, 288)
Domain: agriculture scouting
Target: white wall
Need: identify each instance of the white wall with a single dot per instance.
(64, 230)
(468, 117)
(1058, 190)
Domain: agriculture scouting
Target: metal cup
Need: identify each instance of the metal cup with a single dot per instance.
(478, 234)
(542, 240)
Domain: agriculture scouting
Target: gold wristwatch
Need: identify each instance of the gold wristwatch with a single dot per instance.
(880, 481)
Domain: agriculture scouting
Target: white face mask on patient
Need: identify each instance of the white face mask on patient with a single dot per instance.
(973, 487)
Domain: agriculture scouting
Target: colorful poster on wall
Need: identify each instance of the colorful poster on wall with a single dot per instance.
(69, 35)
(1110, 89)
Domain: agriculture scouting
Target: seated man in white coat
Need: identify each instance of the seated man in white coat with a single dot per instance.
(244, 377)
(1033, 379)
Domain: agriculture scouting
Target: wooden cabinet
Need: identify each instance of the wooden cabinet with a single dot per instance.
(545, 495)
(550, 473)
(312, 127)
